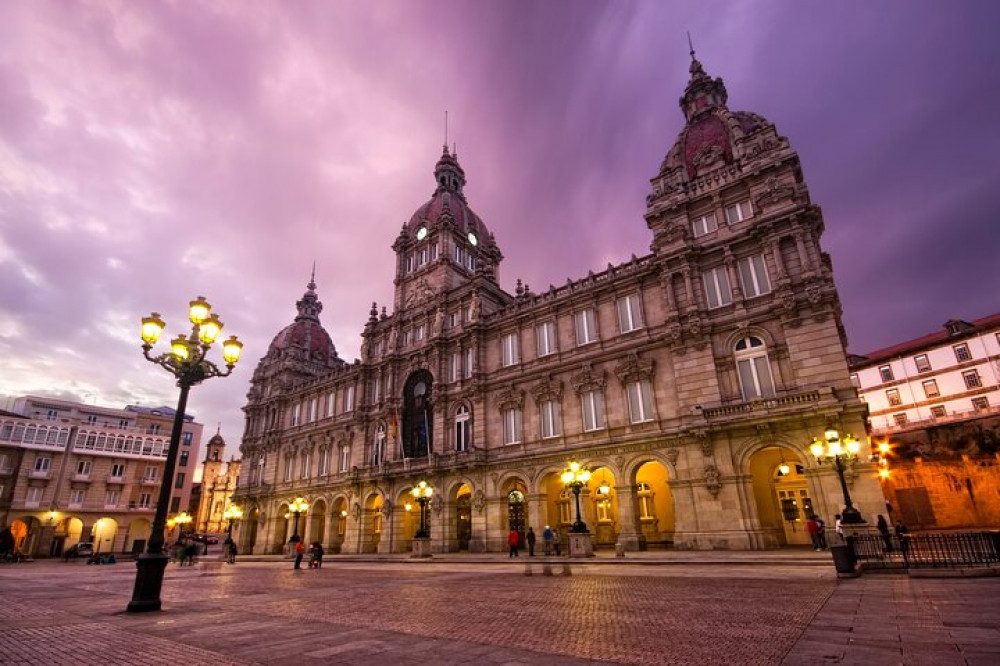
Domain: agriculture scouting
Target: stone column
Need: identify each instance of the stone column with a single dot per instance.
(629, 534)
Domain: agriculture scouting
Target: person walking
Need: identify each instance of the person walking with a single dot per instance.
(230, 551)
(821, 533)
(838, 528)
(547, 539)
(883, 528)
(316, 555)
(555, 540)
(300, 550)
(530, 537)
(813, 528)
(512, 540)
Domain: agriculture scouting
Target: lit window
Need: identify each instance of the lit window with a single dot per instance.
(629, 313)
(931, 388)
(753, 368)
(717, 290)
(972, 379)
(962, 352)
(892, 395)
(592, 403)
(923, 365)
(512, 425)
(640, 400)
(753, 276)
(545, 338)
(885, 372)
(738, 212)
(705, 224)
(510, 353)
(586, 327)
(550, 419)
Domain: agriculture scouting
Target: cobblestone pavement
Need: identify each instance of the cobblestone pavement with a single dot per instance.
(455, 612)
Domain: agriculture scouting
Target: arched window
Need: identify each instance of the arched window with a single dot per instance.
(463, 428)
(418, 417)
(753, 368)
(378, 446)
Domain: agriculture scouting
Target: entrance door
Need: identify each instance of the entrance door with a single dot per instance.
(515, 513)
(464, 522)
(795, 504)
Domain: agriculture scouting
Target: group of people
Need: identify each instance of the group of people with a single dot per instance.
(550, 538)
(185, 551)
(315, 554)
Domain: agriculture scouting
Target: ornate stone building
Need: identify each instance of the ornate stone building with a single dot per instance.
(218, 483)
(690, 380)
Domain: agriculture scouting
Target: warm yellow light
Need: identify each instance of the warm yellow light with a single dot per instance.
(428, 491)
(574, 466)
(198, 310)
(152, 327)
(182, 518)
(233, 512)
(209, 329)
(170, 523)
(231, 350)
(604, 489)
(852, 444)
(883, 473)
(834, 449)
(884, 447)
(415, 492)
(298, 505)
(831, 434)
(52, 516)
(784, 469)
(179, 348)
(567, 477)
(584, 475)
(408, 506)
(343, 513)
(816, 447)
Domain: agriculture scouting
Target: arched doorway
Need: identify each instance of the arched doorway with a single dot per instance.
(418, 417)
(25, 532)
(317, 522)
(463, 516)
(372, 524)
(137, 535)
(74, 532)
(248, 531)
(517, 508)
(784, 502)
(603, 513)
(103, 535)
(340, 511)
(654, 505)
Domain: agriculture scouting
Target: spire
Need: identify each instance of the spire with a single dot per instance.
(448, 174)
(309, 305)
(702, 91)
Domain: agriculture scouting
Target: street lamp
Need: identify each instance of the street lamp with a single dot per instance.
(186, 361)
(422, 493)
(232, 512)
(183, 519)
(575, 478)
(833, 448)
(297, 507)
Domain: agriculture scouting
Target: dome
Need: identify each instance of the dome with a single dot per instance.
(448, 201)
(217, 440)
(305, 334)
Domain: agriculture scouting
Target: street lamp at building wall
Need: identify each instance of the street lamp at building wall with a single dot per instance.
(422, 493)
(187, 362)
(838, 451)
(296, 508)
(575, 477)
(232, 512)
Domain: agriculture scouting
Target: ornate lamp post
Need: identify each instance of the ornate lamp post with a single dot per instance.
(232, 512)
(833, 448)
(575, 478)
(183, 519)
(186, 361)
(422, 493)
(296, 508)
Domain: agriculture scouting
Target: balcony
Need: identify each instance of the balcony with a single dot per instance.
(150, 481)
(39, 474)
(767, 407)
(6, 471)
(119, 479)
(82, 478)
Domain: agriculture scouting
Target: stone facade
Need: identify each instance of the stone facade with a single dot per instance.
(690, 380)
(218, 483)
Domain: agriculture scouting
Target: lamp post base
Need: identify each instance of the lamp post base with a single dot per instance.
(421, 547)
(581, 544)
(148, 582)
(851, 516)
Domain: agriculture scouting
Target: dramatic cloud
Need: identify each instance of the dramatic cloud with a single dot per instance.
(152, 152)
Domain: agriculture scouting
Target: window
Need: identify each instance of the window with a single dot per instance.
(296, 414)
(550, 419)
(855, 381)
(91, 419)
(187, 438)
(83, 468)
(640, 400)
(122, 424)
(407, 337)
(118, 470)
(470, 354)
(152, 471)
(885, 372)
(512, 425)
(289, 468)
(331, 403)
(111, 498)
(931, 388)
(344, 460)
(510, 353)
(545, 338)
(306, 464)
(183, 460)
(586, 327)
(463, 429)
(592, 403)
(738, 212)
(154, 429)
(418, 332)
(753, 276)
(34, 496)
(378, 445)
(972, 379)
(705, 224)
(717, 289)
(962, 352)
(455, 367)
(753, 368)
(892, 395)
(937, 411)
(980, 403)
(900, 418)
(145, 500)
(452, 319)
(923, 365)
(314, 409)
(349, 399)
(175, 504)
(179, 480)
(324, 462)
(76, 498)
(646, 508)
(43, 464)
(629, 313)
(52, 415)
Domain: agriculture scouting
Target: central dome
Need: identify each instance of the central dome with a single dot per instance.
(448, 202)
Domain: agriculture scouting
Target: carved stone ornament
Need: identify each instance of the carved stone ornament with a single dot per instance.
(437, 503)
(712, 482)
(814, 293)
(631, 369)
(386, 508)
(694, 325)
(420, 293)
(495, 477)
(674, 334)
(705, 442)
(547, 389)
(619, 462)
(587, 379)
(672, 455)
(774, 192)
(478, 501)
(509, 397)
(356, 511)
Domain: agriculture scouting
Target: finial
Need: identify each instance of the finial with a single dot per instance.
(218, 429)
(690, 44)
(446, 131)
(312, 276)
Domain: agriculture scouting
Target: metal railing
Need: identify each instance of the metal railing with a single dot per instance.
(927, 551)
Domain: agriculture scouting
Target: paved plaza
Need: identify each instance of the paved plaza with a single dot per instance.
(687, 608)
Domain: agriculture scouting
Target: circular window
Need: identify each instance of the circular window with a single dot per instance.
(421, 233)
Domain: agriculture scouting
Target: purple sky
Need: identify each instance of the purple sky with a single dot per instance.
(153, 152)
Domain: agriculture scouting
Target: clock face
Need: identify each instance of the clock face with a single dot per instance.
(421, 233)
(472, 239)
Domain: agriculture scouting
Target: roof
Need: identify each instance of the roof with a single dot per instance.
(962, 330)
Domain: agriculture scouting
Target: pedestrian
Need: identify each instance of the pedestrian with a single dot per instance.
(530, 537)
(299, 552)
(821, 533)
(229, 548)
(903, 536)
(547, 538)
(191, 551)
(813, 528)
(512, 540)
(883, 528)
(555, 540)
(315, 555)
(838, 527)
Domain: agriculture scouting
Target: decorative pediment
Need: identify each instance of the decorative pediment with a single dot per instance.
(547, 389)
(672, 455)
(632, 369)
(774, 192)
(588, 379)
(421, 292)
(509, 397)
